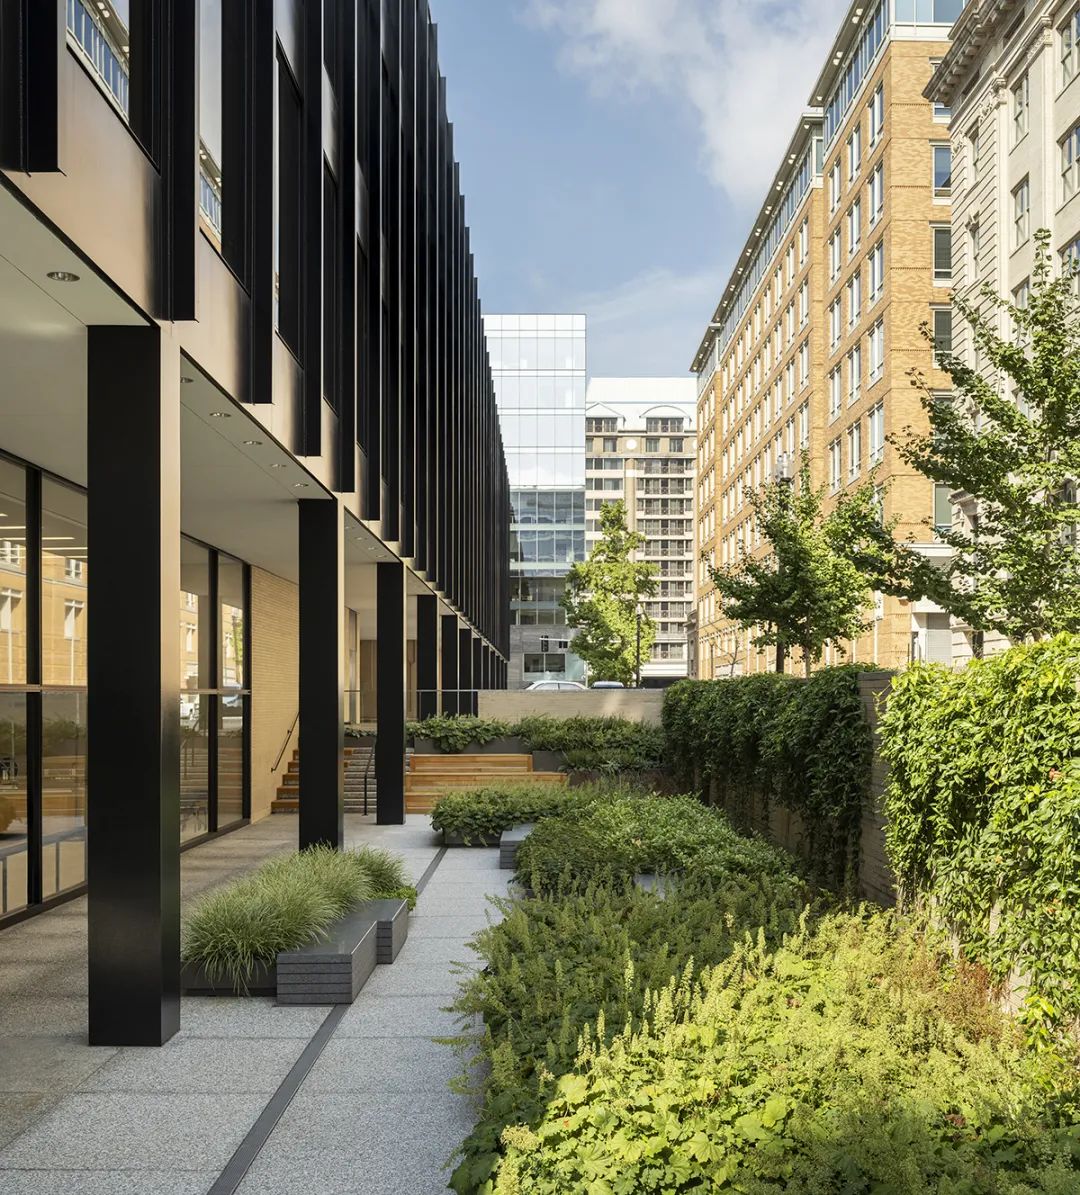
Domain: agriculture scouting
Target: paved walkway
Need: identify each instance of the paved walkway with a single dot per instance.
(373, 1115)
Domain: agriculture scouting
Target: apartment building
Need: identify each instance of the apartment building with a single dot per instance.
(250, 459)
(538, 363)
(640, 448)
(1011, 82)
(810, 346)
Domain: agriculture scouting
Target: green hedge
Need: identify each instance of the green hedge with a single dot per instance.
(634, 831)
(479, 815)
(588, 742)
(855, 1058)
(983, 813)
(804, 745)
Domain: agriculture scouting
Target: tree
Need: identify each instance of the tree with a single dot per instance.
(814, 585)
(1009, 438)
(603, 601)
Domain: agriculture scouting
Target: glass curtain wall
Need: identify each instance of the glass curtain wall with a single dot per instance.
(44, 572)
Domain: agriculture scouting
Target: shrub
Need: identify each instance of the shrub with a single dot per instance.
(983, 813)
(283, 905)
(854, 1058)
(452, 732)
(555, 967)
(804, 745)
(479, 815)
(634, 831)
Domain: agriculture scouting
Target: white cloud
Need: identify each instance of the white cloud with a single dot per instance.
(744, 68)
(645, 326)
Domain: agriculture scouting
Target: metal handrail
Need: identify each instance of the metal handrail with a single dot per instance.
(367, 772)
(274, 765)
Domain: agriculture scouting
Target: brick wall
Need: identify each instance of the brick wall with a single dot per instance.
(275, 635)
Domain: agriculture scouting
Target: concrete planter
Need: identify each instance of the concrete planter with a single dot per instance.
(510, 841)
(548, 761)
(474, 840)
(194, 981)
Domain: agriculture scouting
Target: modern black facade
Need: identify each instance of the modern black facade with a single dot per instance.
(238, 304)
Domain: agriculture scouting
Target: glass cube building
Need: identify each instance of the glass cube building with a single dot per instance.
(538, 364)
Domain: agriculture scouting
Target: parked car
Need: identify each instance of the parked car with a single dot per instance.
(608, 684)
(555, 686)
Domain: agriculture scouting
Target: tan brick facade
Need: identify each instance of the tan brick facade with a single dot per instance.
(275, 636)
(856, 264)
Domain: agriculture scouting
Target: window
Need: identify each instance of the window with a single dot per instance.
(331, 272)
(835, 256)
(876, 267)
(854, 222)
(942, 171)
(601, 425)
(835, 388)
(834, 465)
(1070, 163)
(877, 114)
(854, 373)
(876, 423)
(288, 224)
(1022, 294)
(854, 151)
(804, 425)
(1069, 35)
(834, 323)
(974, 146)
(1021, 103)
(942, 507)
(942, 253)
(876, 192)
(1070, 261)
(942, 329)
(854, 442)
(930, 12)
(611, 444)
(942, 112)
(1021, 213)
(877, 351)
(804, 303)
(804, 241)
(854, 290)
(835, 187)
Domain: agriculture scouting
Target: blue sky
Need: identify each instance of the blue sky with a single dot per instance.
(613, 153)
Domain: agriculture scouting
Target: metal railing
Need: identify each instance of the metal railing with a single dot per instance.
(367, 773)
(288, 736)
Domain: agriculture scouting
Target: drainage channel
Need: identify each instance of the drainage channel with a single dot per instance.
(229, 1180)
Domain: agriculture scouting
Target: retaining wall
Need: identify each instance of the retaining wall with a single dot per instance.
(638, 705)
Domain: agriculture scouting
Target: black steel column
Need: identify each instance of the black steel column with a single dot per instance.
(477, 671)
(391, 670)
(449, 664)
(465, 672)
(133, 733)
(427, 655)
(322, 673)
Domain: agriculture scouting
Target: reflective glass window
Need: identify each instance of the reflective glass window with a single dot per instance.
(12, 574)
(64, 579)
(63, 772)
(231, 600)
(14, 824)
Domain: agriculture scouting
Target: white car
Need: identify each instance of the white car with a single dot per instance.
(555, 686)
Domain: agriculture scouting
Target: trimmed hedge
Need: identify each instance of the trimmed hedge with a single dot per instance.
(479, 815)
(804, 745)
(983, 814)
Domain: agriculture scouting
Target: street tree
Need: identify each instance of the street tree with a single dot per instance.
(603, 601)
(1008, 437)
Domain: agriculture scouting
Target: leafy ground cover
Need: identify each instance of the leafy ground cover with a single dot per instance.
(479, 815)
(740, 1033)
(283, 905)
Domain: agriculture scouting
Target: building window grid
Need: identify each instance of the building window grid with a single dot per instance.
(1070, 163)
(854, 438)
(1069, 40)
(1021, 212)
(1021, 108)
(876, 423)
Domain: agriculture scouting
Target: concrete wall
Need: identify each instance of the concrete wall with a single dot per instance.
(639, 705)
(275, 665)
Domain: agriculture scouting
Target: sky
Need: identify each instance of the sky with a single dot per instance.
(614, 152)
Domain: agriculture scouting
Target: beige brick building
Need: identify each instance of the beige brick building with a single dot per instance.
(811, 344)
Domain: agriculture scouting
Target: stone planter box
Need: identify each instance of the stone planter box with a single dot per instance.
(548, 761)
(475, 840)
(331, 971)
(195, 982)
(510, 841)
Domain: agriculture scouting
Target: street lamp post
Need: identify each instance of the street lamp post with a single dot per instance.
(783, 476)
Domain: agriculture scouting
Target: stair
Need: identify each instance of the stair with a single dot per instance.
(429, 776)
(356, 763)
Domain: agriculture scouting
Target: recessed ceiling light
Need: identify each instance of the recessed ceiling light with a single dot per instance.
(220, 415)
(185, 381)
(276, 465)
(253, 443)
(62, 276)
(300, 485)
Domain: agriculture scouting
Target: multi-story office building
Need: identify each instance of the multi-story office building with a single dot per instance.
(640, 448)
(1011, 81)
(810, 347)
(249, 449)
(539, 366)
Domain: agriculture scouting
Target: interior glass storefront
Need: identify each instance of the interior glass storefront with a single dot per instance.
(43, 744)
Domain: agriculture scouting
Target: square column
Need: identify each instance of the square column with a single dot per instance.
(133, 815)
(449, 664)
(391, 669)
(465, 672)
(427, 656)
(322, 673)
